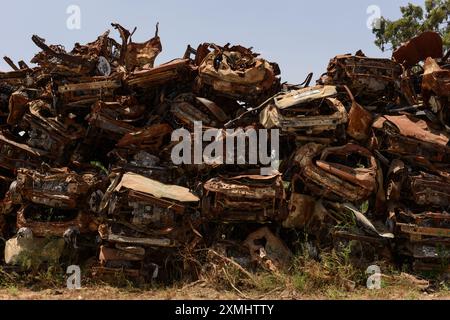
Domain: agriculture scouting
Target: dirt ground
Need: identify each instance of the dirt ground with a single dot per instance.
(201, 292)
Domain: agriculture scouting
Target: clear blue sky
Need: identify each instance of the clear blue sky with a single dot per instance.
(300, 35)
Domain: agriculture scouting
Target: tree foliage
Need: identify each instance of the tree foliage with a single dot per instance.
(433, 16)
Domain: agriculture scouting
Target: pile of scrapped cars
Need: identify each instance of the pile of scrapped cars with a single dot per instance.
(87, 175)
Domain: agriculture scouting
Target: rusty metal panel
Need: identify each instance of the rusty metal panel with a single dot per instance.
(425, 45)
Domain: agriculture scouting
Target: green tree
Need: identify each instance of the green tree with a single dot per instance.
(433, 16)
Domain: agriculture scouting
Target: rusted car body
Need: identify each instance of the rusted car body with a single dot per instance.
(150, 139)
(115, 118)
(46, 132)
(86, 92)
(436, 85)
(189, 109)
(323, 173)
(151, 201)
(143, 163)
(54, 206)
(101, 56)
(149, 214)
(431, 84)
(418, 196)
(420, 186)
(57, 188)
(425, 238)
(237, 72)
(15, 155)
(33, 217)
(244, 198)
(367, 78)
(406, 135)
(170, 72)
(56, 58)
(310, 111)
(430, 190)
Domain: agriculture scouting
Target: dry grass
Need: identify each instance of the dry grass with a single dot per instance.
(333, 276)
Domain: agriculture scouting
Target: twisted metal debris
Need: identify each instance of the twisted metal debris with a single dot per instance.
(86, 172)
